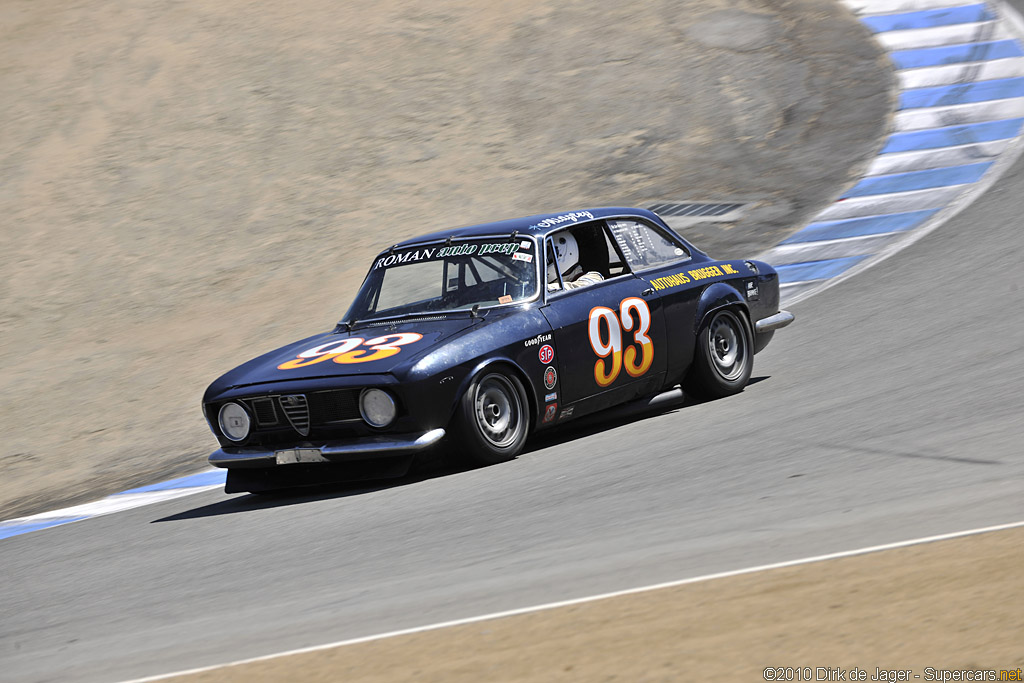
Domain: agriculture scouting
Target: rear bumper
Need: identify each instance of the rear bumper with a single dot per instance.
(357, 449)
(774, 322)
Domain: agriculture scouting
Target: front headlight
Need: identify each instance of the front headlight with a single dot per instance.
(377, 407)
(234, 421)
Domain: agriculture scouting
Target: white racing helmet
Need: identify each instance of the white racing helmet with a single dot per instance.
(567, 251)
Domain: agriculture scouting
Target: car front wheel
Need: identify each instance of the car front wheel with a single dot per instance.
(492, 421)
(724, 356)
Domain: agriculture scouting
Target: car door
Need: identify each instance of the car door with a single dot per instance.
(610, 337)
(663, 263)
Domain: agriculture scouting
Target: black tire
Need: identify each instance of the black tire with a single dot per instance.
(723, 358)
(492, 421)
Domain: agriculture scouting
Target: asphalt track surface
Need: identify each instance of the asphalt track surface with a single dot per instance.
(890, 410)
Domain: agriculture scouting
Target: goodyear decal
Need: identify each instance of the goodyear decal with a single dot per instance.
(539, 339)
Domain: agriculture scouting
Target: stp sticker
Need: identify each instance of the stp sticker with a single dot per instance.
(549, 412)
(546, 354)
(550, 377)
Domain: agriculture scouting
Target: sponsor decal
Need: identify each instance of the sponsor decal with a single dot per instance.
(353, 350)
(427, 253)
(566, 412)
(539, 339)
(505, 299)
(712, 271)
(551, 397)
(505, 248)
(522, 257)
(669, 281)
(549, 412)
(550, 377)
(525, 244)
(573, 217)
(458, 250)
(752, 292)
(407, 257)
(546, 354)
(612, 354)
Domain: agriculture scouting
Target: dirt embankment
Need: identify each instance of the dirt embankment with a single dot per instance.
(187, 184)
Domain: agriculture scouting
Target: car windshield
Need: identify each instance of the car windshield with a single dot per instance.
(434, 278)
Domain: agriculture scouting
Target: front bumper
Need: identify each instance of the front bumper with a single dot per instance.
(363, 448)
(774, 322)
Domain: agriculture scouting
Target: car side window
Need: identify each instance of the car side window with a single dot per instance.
(593, 256)
(643, 246)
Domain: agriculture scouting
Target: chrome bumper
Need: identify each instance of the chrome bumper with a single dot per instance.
(774, 322)
(358, 449)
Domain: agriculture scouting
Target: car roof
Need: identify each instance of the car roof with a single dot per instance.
(541, 224)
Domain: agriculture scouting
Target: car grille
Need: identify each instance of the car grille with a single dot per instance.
(296, 409)
(306, 411)
(331, 407)
(265, 411)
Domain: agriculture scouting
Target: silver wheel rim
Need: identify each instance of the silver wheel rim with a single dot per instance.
(498, 410)
(727, 346)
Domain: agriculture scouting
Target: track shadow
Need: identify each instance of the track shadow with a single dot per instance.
(249, 502)
(435, 464)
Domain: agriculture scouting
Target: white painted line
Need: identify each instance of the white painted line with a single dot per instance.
(823, 250)
(899, 6)
(591, 598)
(903, 162)
(967, 72)
(957, 114)
(898, 202)
(789, 286)
(937, 36)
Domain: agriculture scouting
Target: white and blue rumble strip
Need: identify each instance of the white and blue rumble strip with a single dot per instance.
(960, 109)
(125, 500)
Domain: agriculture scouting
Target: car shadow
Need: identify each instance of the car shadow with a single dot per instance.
(436, 465)
(612, 418)
(251, 502)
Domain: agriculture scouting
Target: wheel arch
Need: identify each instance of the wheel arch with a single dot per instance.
(716, 297)
(499, 362)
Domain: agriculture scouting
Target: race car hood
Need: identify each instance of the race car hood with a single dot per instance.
(367, 350)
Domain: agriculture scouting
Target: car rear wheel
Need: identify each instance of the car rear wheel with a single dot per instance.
(492, 422)
(724, 357)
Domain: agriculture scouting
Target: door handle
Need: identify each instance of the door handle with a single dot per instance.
(647, 292)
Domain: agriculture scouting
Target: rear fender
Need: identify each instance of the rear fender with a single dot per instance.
(716, 297)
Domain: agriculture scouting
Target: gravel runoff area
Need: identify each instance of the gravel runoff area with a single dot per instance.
(894, 615)
(186, 185)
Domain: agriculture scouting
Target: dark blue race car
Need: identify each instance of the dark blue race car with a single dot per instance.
(475, 337)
